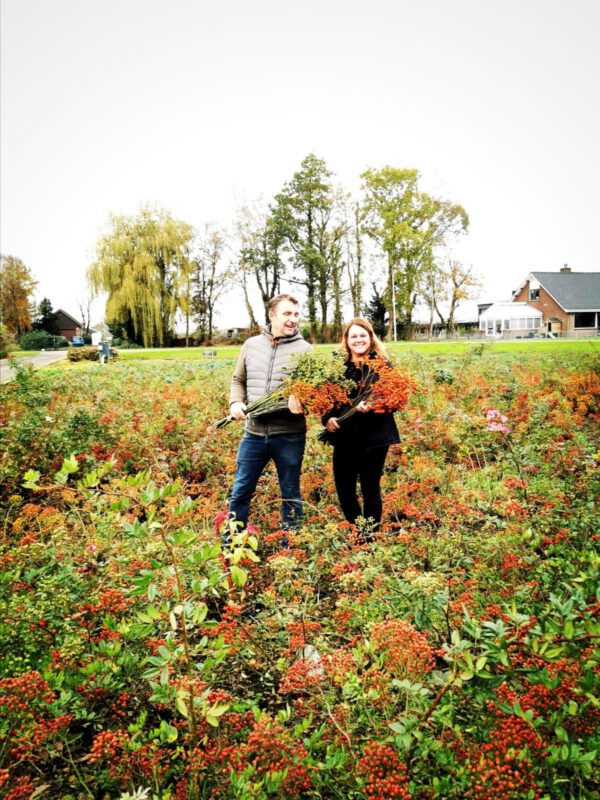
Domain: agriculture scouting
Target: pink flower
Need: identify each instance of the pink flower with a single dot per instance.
(220, 518)
(496, 421)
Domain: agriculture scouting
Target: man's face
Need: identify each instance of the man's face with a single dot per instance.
(285, 318)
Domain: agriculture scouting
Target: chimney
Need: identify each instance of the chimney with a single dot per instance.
(565, 268)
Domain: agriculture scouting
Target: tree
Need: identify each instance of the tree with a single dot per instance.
(261, 240)
(390, 195)
(460, 281)
(410, 226)
(210, 279)
(301, 213)
(17, 284)
(85, 313)
(46, 319)
(354, 234)
(376, 312)
(139, 261)
(432, 291)
(185, 292)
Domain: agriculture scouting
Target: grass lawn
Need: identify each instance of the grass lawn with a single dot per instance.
(439, 351)
(230, 353)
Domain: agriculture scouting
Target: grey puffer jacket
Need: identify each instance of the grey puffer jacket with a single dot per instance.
(260, 368)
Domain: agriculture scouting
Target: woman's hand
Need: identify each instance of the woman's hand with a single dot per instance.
(363, 406)
(332, 425)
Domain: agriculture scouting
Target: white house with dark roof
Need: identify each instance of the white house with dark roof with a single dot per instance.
(568, 301)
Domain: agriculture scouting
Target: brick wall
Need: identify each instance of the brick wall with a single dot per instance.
(547, 305)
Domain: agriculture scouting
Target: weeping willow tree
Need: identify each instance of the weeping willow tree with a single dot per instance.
(140, 263)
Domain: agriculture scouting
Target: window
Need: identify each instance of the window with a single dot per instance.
(585, 319)
(506, 324)
(534, 294)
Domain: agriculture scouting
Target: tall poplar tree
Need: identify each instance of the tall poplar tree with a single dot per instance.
(354, 233)
(302, 211)
(137, 264)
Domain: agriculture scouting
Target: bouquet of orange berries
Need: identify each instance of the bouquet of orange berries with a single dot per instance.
(317, 379)
(384, 387)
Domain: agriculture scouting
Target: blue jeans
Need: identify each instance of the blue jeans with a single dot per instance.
(254, 453)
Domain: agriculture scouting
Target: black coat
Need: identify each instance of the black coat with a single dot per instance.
(363, 430)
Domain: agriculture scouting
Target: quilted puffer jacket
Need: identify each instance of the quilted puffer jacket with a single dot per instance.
(260, 368)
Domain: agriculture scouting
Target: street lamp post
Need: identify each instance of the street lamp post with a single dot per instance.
(394, 302)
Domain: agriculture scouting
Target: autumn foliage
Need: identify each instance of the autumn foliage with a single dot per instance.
(455, 657)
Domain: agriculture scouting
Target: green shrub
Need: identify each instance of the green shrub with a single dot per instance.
(36, 340)
(83, 354)
(86, 354)
(7, 340)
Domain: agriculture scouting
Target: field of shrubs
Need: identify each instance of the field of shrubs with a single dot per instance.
(455, 657)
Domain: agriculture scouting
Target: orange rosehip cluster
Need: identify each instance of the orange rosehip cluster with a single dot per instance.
(269, 749)
(320, 398)
(405, 651)
(18, 695)
(384, 773)
(503, 767)
(390, 389)
(301, 676)
(338, 665)
(22, 788)
(299, 633)
(583, 392)
(108, 746)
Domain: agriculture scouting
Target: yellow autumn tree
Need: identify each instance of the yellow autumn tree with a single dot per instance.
(17, 285)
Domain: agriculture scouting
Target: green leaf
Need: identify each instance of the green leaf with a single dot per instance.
(239, 576)
(69, 466)
(32, 477)
(218, 709)
(199, 613)
(180, 702)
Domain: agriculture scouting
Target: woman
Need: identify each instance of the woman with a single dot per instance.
(360, 442)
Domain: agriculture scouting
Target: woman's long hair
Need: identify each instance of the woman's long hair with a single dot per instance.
(376, 344)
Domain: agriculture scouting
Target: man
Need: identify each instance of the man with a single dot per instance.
(280, 435)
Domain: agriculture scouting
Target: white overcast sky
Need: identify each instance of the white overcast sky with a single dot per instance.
(190, 105)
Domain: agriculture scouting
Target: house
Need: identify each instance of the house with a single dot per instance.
(568, 301)
(510, 319)
(67, 325)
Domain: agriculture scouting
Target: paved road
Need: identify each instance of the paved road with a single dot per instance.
(38, 360)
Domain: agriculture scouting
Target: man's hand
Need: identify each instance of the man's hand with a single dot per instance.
(238, 410)
(363, 406)
(332, 425)
(294, 405)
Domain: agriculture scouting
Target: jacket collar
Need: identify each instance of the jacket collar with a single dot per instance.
(281, 339)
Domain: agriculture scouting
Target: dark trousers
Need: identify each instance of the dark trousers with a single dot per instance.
(254, 453)
(366, 466)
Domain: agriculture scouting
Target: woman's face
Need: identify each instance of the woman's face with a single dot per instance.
(359, 342)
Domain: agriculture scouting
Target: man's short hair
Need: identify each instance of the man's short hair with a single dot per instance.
(274, 301)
